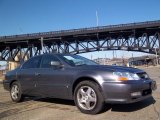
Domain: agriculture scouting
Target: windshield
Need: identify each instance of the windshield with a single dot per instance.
(76, 60)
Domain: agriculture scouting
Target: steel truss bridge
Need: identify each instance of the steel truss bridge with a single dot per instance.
(142, 37)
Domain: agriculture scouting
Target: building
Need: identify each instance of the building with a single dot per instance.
(144, 60)
(113, 61)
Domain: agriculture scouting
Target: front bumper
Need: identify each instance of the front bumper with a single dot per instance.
(6, 85)
(122, 92)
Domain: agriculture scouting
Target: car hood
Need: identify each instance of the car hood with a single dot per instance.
(111, 68)
(125, 69)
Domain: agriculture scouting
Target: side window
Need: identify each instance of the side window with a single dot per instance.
(32, 63)
(46, 61)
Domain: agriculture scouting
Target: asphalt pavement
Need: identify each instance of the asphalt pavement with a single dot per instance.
(57, 109)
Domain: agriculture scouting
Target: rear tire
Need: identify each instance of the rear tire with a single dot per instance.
(88, 97)
(16, 92)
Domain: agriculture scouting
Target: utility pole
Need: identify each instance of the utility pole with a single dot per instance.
(105, 60)
(97, 18)
(132, 59)
(113, 53)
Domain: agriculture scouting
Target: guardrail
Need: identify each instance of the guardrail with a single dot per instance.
(79, 30)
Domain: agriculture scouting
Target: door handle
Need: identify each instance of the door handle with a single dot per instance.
(37, 74)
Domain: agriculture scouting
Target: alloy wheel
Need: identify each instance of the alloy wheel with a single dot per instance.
(87, 98)
(15, 92)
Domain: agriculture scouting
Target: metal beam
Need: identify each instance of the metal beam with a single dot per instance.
(142, 37)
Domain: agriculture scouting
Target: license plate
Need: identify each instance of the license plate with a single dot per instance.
(153, 85)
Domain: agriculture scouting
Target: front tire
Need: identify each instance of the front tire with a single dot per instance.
(16, 92)
(88, 98)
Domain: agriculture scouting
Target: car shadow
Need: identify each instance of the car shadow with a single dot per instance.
(113, 107)
(130, 107)
(56, 101)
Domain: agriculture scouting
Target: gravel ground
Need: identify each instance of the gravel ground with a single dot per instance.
(56, 109)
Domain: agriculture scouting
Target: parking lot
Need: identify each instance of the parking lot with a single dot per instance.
(56, 109)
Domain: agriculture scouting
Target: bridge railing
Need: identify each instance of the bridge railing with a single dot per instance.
(78, 30)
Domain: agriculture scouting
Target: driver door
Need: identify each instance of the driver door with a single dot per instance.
(51, 79)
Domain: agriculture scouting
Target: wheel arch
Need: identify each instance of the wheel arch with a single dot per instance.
(12, 83)
(86, 78)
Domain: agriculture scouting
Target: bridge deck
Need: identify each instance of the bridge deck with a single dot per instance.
(84, 31)
(142, 37)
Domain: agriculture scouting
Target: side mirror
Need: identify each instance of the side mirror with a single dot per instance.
(56, 64)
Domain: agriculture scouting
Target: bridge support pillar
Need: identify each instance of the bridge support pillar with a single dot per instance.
(42, 45)
(159, 43)
(159, 40)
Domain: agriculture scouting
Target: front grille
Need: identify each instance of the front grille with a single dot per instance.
(143, 75)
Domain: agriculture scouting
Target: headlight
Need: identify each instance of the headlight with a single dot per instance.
(125, 76)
